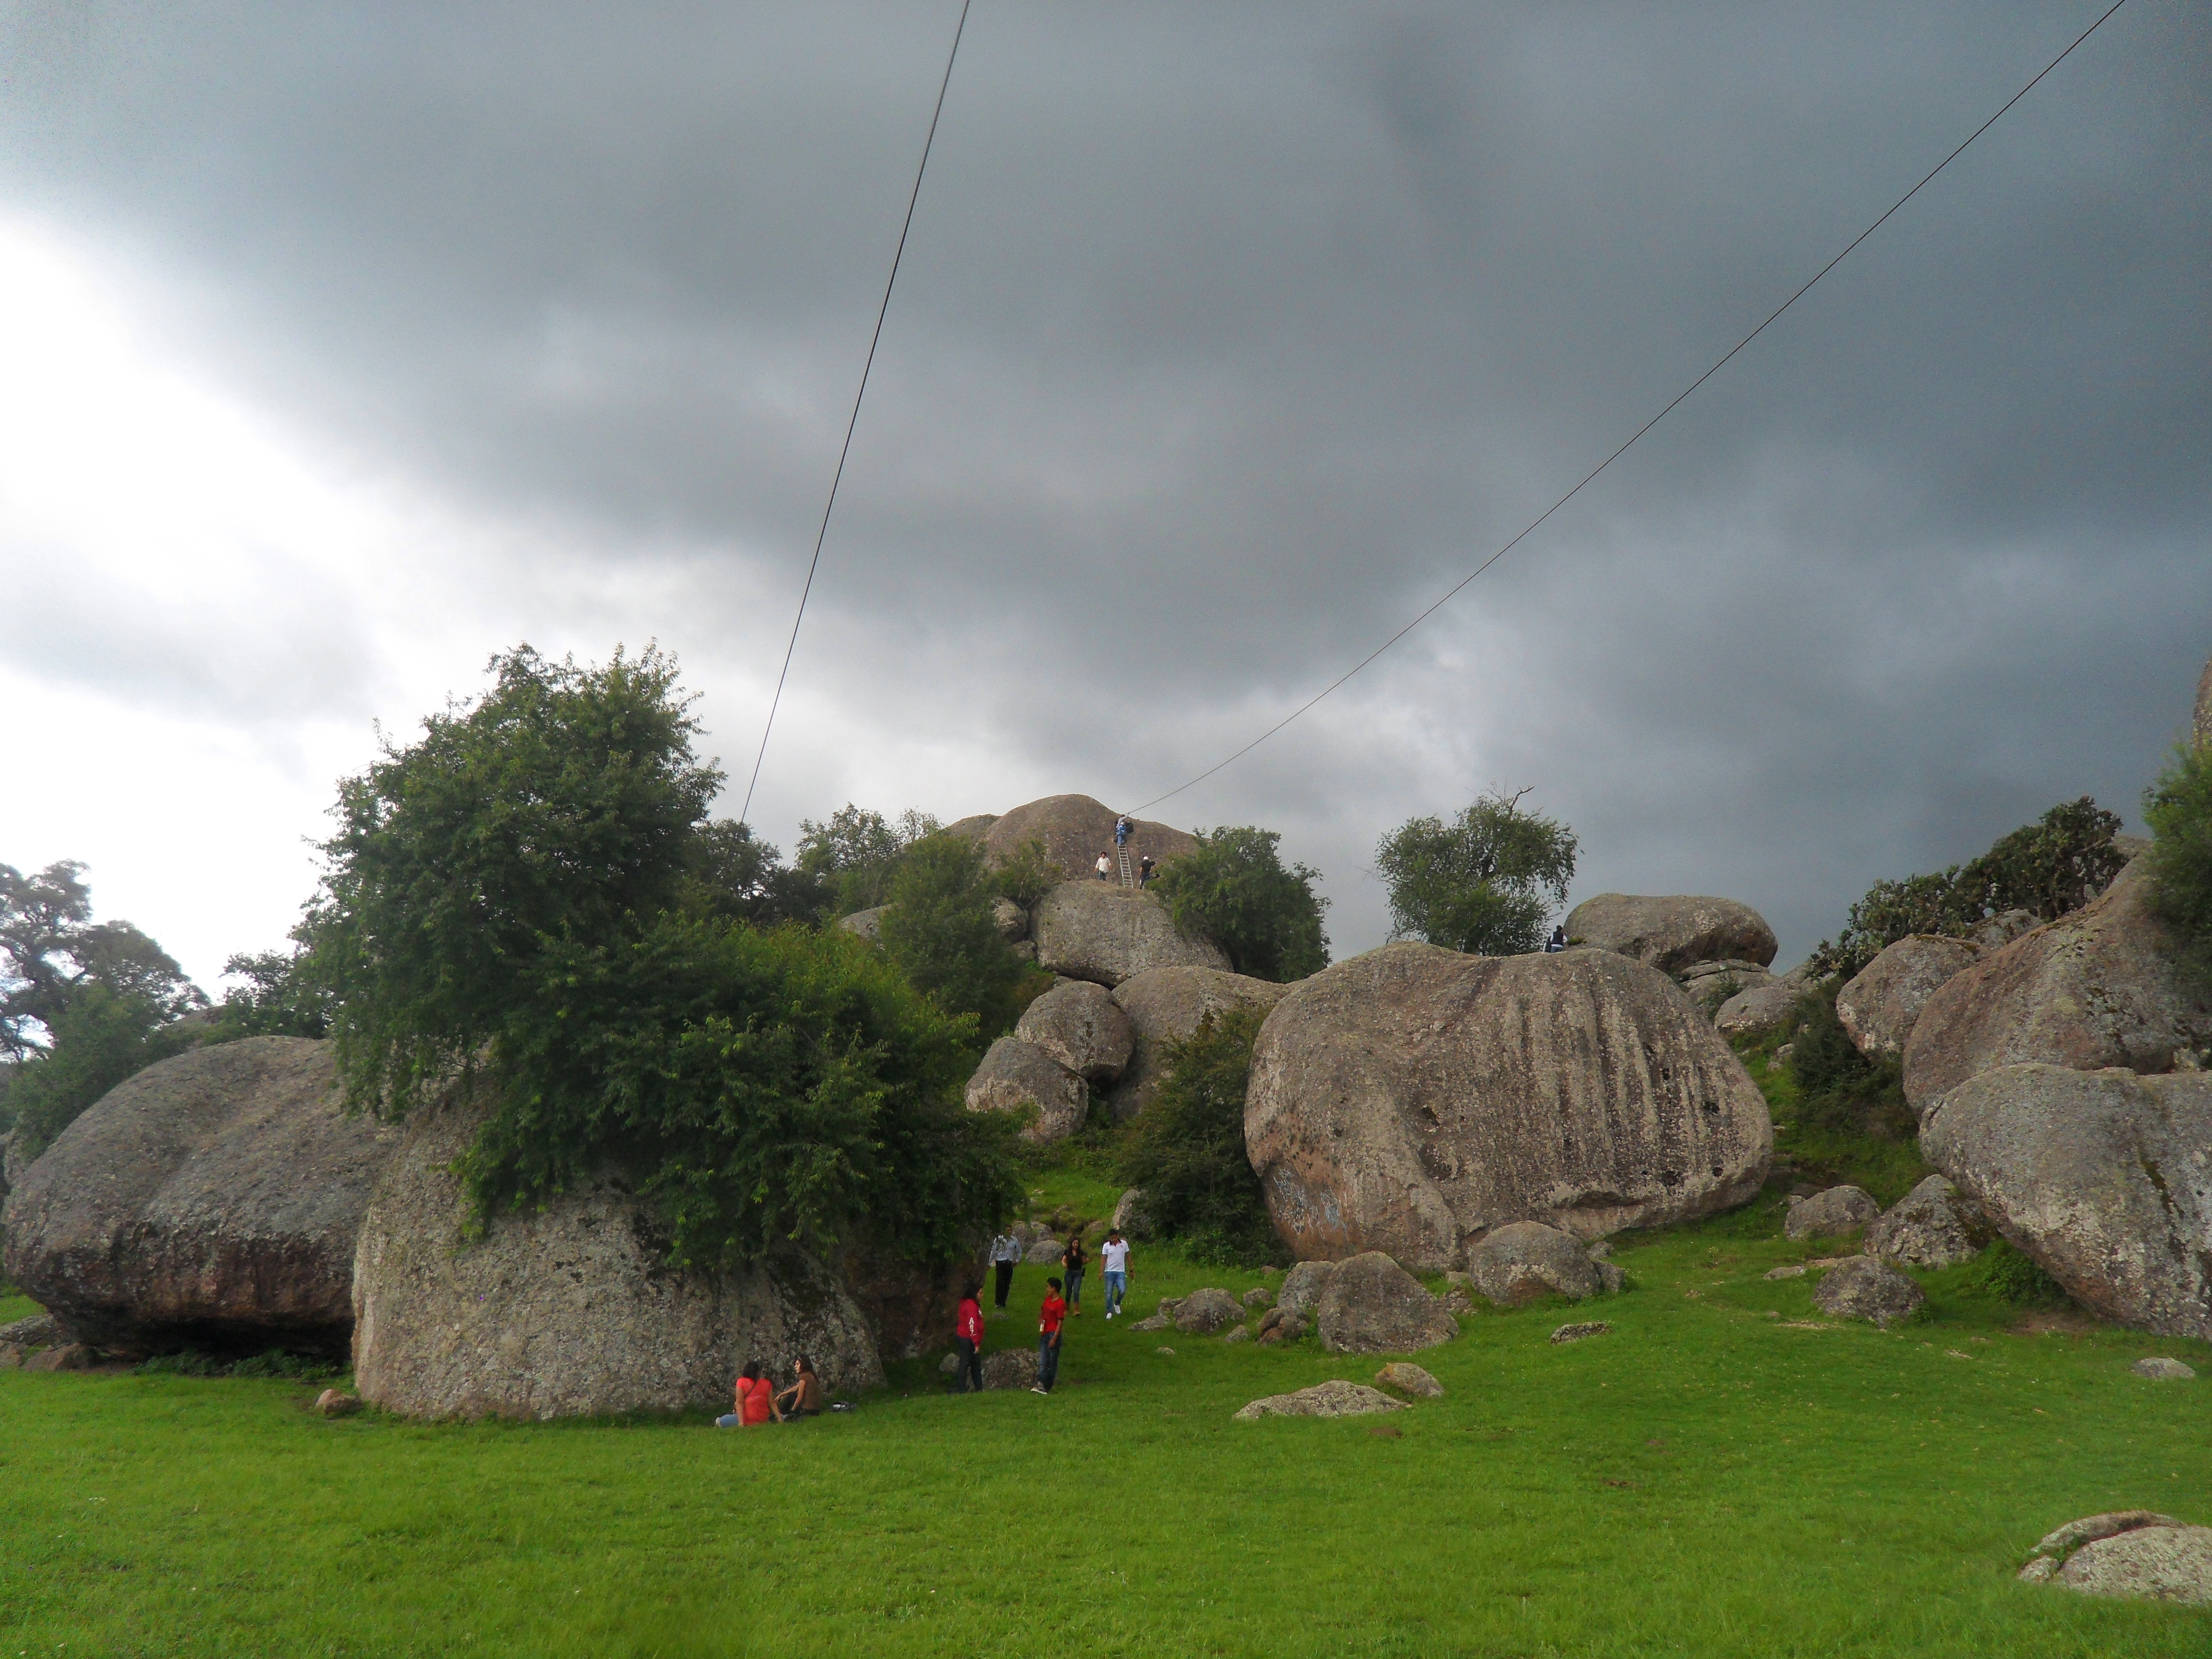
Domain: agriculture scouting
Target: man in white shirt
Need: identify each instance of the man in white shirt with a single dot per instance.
(1005, 1251)
(1114, 1259)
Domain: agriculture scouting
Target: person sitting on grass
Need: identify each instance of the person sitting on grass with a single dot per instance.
(804, 1397)
(756, 1401)
(1049, 1319)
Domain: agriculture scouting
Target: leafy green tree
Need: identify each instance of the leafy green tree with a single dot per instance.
(557, 807)
(1234, 892)
(2057, 864)
(102, 1038)
(1186, 1149)
(1027, 875)
(50, 950)
(730, 871)
(2179, 808)
(1485, 883)
(278, 999)
(850, 860)
(939, 932)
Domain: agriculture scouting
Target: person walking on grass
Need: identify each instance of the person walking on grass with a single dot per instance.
(756, 1401)
(1113, 1257)
(1073, 1261)
(1049, 1320)
(968, 1341)
(1005, 1251)
(804, 1397)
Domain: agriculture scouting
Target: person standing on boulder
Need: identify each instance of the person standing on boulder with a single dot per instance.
(1073, 1261)
(1144, 868)
(1005, 1251)
(1113, 1257)
(1050, 1318)
(1120, 832)
(967, 1342)
(1105, 865)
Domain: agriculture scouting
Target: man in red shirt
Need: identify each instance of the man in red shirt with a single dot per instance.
(1049, 1319)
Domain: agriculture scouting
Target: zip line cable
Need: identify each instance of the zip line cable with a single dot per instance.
(1531, 527)
(846, 450)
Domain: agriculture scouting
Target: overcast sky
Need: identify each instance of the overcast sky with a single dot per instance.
(342, 347)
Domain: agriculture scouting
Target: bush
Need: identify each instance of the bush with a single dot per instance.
(1234, 892)
(848, 863)
(2179, 808)
(2011, 1276)
(1026, 876)
(1838, 1089)
(278, 999)
(1186, 1149)
(939, 932)
(730, 871)
(2057, 864)
(1485, 883)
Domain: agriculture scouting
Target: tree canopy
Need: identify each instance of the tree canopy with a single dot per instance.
(940, 934)
(1485, 883)
(850, 860)
(51, 950)
(1186, 1149)
(1235, 891)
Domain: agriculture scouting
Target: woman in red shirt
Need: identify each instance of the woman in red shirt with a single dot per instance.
(756, 1401)
(968, 1341)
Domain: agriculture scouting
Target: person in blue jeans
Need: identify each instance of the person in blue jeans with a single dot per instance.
(1114, 1259)
(1073, 1261)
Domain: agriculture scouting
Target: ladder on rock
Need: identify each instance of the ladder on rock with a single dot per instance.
(1129, 871)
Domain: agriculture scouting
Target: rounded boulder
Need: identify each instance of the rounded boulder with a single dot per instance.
(1671, 931)
(1863, 1288)
(1881, 1005)
(1079, 1025)
(1097, 931)
(1413, 1099)
(1934, 1225)
(1014, 1075)
(1167, 1004)
(1526, 1261)
(1372, 1305)
(1830, 1214)
(1074, 831)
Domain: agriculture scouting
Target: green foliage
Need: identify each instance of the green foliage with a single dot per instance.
(278, 999)
(271, 1363)
(555, 812)
(1829, 1148)
(1485, 883)
(2012, 1277)
(849, 861)
(2179, 808)
(2057, 864)
(939, 932)
(1186, 1149)
(1837, 1087)
(51, 950)
(730, 873)
(762, 1087)
(1026, 876)
(1234, 892)
(104, 1037)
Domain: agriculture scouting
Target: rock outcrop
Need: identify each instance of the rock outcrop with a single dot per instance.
(1412, 1099)
(1757, 1010)
(1882, 1003)
(569, 1310)
(1830, 1214)
(2101, 1176)
(1672, 932)
(1165, 1005)
(1407, 1377)
(1372, 1305)
(1527, 1262)
(2101, 987)
(1934, 1225)
(214, 1199)
(2134, 1554)
(1860, 1287)
(1097, 931)
(1015, 1075)
(1074, 831)
(1079, 1025)
(867, 924)
(1332, 1399)
(1131, 1219)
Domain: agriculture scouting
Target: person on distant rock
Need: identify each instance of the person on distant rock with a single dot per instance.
(1105, 865)
(1121, 828)
(804, 1397)
(968, 1341)
(1050, 1318)
(1557, 940)
(1144, 868)
(1073, 1261)
(1113, 1258)
(756, 1401)
(1005, 1251)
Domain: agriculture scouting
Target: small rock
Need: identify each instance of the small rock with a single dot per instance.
(1788, 1270)
(1456, 1301)
(1010, 1367)
(39, 1331)
(1258, 1296)
(1237, 1334)
(1409, 1378)
(1829, 1214)
(1204, 1312)
(1131, 1219)
(1279, 1328)
(1303, 1285)
(1156, 1322)
(1372, 1305)
(1330, 1399)
(1934, 1225)
(2135, 1555)
(1862, 1288)
(1169, 1352)
(948, 1365)
(1610, 1278)
(1576, 1333)
(1526, 1261)
(2162, 1369)
(1046, 1252)
(333, 1402)
(63, 1357)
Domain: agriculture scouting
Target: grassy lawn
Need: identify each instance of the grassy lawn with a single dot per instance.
(1706, 1479)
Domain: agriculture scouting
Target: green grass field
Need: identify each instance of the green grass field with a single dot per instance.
(1706, 1479)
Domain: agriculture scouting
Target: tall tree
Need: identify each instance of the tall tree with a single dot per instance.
(1485, 883)
(851, 859)
(1236, 892)
(940, 934)
(51, 950)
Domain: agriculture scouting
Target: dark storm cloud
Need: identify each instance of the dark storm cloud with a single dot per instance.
(1229, 337)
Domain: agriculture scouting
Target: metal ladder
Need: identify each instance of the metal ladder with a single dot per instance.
(1128, 870)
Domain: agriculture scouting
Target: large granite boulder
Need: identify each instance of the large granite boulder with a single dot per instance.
(1166, 1004)
(2101, 1176)
(1074, 831)
(1934, 1225)
(1757, 1009)
(1097, 931)
(1370, 1304)
(1014, 1075)
(2099, 987)
(212, 1200)
(1830, 1214)
(1079, 1026)
(1412, 1099)
(1710, 984)
(1527, 1262)
(571, 1309)
(1672, 932)
(1880, 1005)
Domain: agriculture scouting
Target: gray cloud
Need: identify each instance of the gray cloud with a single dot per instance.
(1227, 339)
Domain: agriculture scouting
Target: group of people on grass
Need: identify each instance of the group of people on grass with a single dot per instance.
(760, 1401)
(1063, 1300)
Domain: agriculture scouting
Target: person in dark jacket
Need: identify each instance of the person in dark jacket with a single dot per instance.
(1073, 1261)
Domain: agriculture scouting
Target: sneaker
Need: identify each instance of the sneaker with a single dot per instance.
(1039, 1387)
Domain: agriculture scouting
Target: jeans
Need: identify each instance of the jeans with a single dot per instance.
(1005, 1271)
(1117, 1286)
(968, 1378)
(1074, 1288)
(1048, 1360)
